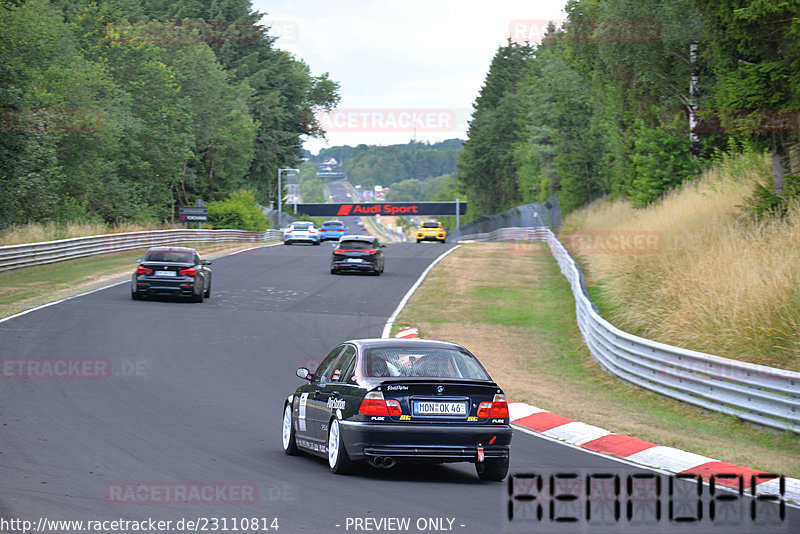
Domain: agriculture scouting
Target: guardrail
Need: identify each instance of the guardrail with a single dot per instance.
(16, 256)
(756, 393)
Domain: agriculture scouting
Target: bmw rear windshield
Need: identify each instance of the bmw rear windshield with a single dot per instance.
(421, 362)
(169, 256)
(333, 223)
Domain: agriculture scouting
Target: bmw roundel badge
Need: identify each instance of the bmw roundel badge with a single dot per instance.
(439, 389)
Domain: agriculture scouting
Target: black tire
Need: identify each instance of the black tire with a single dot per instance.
(288, 433)
(208, 291)
(135, 295)
(316, 242)
(286, 243)
(418, 240)
(492, 470)
(338, 460)
(198, 298)
(334, 271)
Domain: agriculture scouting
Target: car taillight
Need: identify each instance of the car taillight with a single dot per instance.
(143, 270)
(498, 408)
(375, 404)
(339, 251)
(191, 271)
(370, 252)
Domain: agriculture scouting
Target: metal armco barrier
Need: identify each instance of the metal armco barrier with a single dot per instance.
(764, 395)
(16, 256)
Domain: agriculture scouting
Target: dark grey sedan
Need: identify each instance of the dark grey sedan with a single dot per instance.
(358, 253)
(172, 271)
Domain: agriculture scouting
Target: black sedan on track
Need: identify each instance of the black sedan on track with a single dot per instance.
(389, 401)
(172, 271)
(358, 253)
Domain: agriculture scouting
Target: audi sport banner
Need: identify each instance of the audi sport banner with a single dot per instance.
(368, 209)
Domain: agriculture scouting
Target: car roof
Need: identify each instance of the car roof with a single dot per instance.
(171, 249)
(358, 237)
(389, 342)
(333, 222)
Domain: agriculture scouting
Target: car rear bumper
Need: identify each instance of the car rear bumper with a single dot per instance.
(302, 240)
(169, 287)
(425, 443)
(345, 266)
(430, 238)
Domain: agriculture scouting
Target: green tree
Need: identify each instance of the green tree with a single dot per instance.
(662, 159)
(486, 168)
(238, 211)
(752, 48)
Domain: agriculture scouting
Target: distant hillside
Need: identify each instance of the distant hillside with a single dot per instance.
(385, 165)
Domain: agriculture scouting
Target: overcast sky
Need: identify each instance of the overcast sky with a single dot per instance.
(407, 68)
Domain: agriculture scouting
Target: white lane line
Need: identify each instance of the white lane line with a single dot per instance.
(387, 329)
(24, 312)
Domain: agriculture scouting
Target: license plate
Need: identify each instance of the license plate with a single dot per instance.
(355, 260)
(165, 273)
(439, 408)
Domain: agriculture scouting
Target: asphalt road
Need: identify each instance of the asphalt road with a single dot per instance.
(185, 397)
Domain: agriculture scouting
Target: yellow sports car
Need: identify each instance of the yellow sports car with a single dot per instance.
(431, 231)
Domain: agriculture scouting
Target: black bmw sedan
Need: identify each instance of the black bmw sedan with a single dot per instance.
(358, 253)
(175, 271)
(388, 401)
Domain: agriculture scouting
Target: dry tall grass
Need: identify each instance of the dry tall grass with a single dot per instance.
(716, 284)
(35, 233)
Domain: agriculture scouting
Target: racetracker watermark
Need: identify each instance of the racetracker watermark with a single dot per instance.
(619, 31)
(181, 493)
(50, 120)
(388, 120)
(55, 368)
(288, 31)
(179, 32)
(614, 242)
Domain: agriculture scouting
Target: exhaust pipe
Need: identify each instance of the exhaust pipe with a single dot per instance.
(382, 462)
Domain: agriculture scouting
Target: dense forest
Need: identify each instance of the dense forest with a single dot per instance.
(117, 110)
(631, 98)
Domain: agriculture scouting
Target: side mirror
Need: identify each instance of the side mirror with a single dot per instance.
(205, 262)
(139, 260)
(383, 245)
(304, 373)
